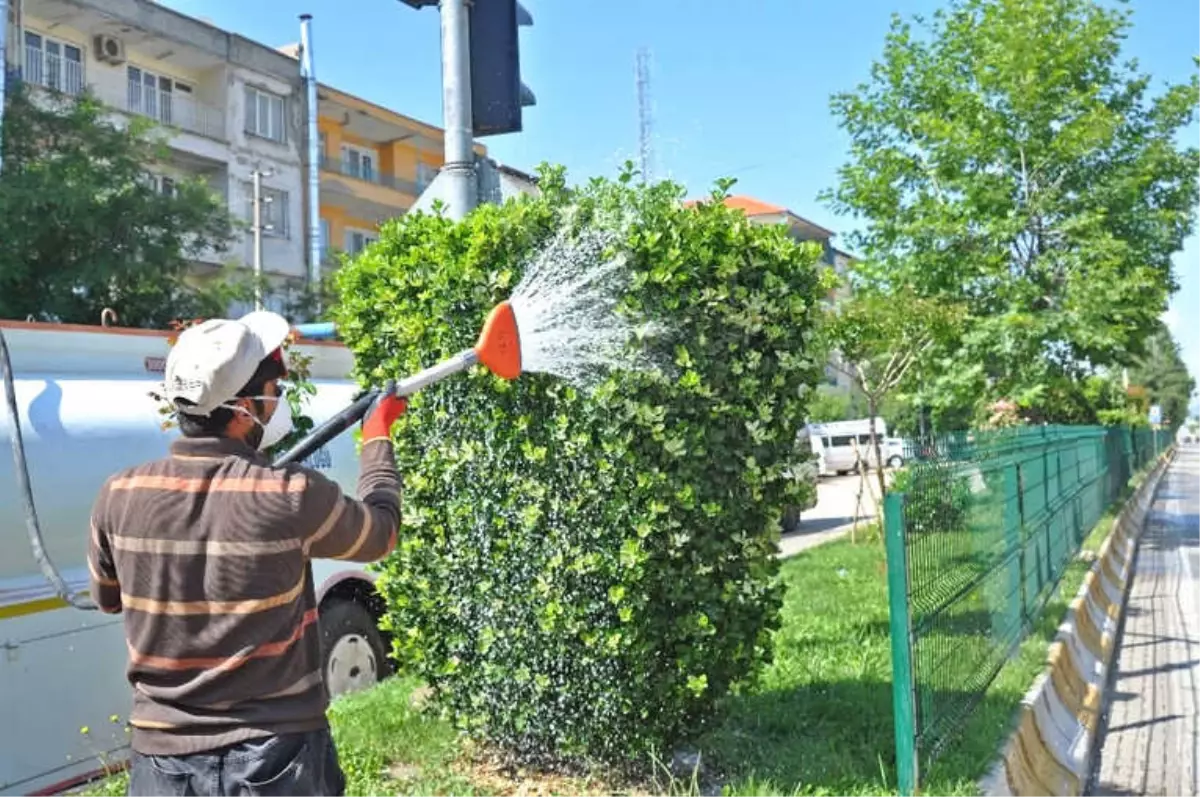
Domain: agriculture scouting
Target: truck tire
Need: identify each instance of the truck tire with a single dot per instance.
(896, 461)
(352, 653)
(791, 519)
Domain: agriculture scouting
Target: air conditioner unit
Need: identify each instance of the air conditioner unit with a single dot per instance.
(108, 49)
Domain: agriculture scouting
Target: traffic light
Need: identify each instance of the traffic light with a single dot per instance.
(497, 93)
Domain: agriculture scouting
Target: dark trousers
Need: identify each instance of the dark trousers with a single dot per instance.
(292, 763)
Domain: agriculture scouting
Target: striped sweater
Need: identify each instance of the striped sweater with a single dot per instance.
(207, 554)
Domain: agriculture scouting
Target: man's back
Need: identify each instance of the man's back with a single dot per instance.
(207, 553)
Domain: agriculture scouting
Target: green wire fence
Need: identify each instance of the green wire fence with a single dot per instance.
(979, 528)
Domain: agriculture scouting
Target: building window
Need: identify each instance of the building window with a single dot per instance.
(274, 210)
(53, 63)
(154, 95)
(358, 162)
(161, 183)
(165, 185)
(358, 240)
(264, 114)
(324, 244)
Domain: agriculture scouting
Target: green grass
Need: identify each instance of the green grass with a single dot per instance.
(818, 721)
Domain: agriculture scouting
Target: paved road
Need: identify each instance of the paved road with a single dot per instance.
(831, 518)
(1152, 741)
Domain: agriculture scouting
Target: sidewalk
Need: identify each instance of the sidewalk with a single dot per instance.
(1150, 743)
(832, 517)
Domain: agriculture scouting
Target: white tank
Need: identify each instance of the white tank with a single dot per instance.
(83, 396)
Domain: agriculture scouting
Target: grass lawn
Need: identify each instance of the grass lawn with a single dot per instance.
(819, 721)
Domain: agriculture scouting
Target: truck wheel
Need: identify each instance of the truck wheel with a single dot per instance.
(352, 652)
(791, 519)
(896, 461)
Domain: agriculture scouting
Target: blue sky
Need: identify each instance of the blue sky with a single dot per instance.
(739, 88)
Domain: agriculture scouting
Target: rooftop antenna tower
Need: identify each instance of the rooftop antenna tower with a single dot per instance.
(645, 122)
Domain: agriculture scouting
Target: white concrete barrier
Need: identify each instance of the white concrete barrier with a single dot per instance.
(1050, 752)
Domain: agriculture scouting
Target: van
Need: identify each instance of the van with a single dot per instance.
(840, 445)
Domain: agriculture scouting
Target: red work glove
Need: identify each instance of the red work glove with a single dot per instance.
(387, 411)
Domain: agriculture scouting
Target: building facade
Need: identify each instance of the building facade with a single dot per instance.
(373, 165)
(230, 107)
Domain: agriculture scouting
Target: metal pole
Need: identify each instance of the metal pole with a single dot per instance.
(258, 297)
(456, 108)
(3, 70)
(904, 709)
(309, 75)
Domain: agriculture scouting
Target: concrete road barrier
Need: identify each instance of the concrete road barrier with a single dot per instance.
(1051, 750)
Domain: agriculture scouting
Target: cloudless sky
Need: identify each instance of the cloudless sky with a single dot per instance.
(739, 87)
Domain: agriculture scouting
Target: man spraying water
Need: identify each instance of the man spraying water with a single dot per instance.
(207, 554)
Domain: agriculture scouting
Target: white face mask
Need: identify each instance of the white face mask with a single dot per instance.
(277, 426)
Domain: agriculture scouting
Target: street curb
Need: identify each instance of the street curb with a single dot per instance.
(1050, 752)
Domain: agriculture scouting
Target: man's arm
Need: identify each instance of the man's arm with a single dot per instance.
(103, 584)
(362, 530)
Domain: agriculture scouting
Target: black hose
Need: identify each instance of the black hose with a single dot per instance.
(31, 520)
(330, 429)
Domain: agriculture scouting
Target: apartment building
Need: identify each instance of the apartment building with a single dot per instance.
(373, 165)
(231, 107)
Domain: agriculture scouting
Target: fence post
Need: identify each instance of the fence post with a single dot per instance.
(1014, 537)
(903, 685)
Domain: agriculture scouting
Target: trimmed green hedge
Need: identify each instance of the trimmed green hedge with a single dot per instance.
(587, 573)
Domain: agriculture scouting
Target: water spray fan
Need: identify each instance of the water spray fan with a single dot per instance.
(498, 349)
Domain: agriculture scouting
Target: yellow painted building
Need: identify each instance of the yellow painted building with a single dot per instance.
(374, 164)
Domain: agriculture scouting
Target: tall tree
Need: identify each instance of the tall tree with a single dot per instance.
(82, 225)
(1163, 374)
(1008, 160)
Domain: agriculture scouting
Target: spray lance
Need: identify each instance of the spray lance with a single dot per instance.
(498, 349)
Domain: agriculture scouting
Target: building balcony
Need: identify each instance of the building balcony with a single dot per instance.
(167, 107)
(53, 71)
(171, 108)
(368, 173)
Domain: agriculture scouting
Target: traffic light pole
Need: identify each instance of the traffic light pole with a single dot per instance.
(482, 92)
(462, 193)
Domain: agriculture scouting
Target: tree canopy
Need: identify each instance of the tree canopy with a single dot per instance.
(83, 225)
(1003, 157)
(1161, 372)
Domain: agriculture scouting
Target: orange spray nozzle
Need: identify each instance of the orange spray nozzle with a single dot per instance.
(499, 346)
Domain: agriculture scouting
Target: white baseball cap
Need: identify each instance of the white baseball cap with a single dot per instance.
(212, 361)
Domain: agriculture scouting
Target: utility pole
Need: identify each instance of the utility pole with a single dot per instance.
(645, 122)
(257, 224)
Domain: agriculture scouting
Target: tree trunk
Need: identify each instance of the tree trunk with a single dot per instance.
(872, 408)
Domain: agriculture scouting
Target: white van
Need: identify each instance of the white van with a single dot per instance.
(840, 444)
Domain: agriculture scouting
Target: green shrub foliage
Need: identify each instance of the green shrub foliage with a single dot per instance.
(585, 573)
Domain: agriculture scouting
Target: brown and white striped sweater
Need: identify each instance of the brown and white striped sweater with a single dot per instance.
(207, 553)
